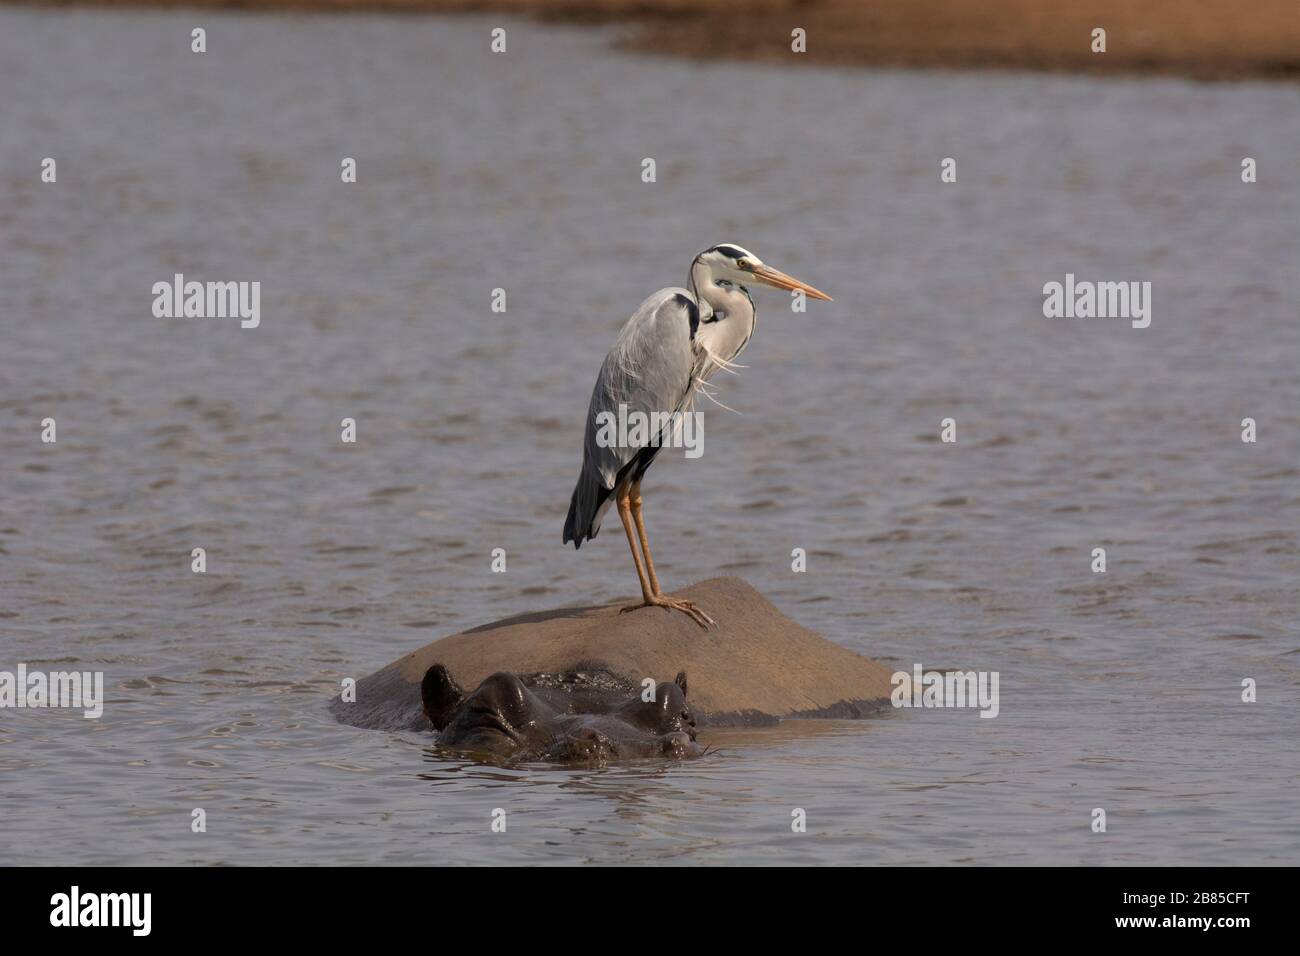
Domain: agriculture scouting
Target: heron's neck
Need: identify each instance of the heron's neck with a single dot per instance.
(703, 289)
(727, 314)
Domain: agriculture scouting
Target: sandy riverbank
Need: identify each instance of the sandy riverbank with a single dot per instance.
(1201, 38)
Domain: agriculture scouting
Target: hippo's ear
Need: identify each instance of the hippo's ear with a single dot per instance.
(680, 681)
(440, 694)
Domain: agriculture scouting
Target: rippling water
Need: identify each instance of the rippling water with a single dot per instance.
(523, 171)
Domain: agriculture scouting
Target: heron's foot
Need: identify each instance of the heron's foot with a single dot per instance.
(688, 608)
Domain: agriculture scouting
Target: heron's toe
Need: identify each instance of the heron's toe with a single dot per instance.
(694, 613)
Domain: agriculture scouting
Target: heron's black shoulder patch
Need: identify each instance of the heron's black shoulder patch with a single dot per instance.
(692, 310)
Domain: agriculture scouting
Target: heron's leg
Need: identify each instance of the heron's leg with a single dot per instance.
(634, 499)
(625, 515)
(629, 509)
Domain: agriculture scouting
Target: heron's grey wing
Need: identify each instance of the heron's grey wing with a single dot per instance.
(649, 369)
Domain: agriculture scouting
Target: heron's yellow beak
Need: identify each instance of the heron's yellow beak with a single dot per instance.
(775, 277)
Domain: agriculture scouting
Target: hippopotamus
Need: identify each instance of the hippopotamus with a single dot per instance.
(586, 716)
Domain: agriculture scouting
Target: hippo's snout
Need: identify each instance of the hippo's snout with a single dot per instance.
(680, 746)
(589, 744)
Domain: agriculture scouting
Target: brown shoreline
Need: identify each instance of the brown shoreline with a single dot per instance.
(1206, 39)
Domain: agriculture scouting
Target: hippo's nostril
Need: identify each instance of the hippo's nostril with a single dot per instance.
(591, 745)
(676, 745)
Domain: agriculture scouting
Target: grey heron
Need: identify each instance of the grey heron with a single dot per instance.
(666, 353)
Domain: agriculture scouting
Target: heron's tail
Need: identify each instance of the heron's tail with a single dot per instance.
(585, 511)
(571, 530)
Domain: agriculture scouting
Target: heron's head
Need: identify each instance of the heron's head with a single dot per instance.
(729, 265)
